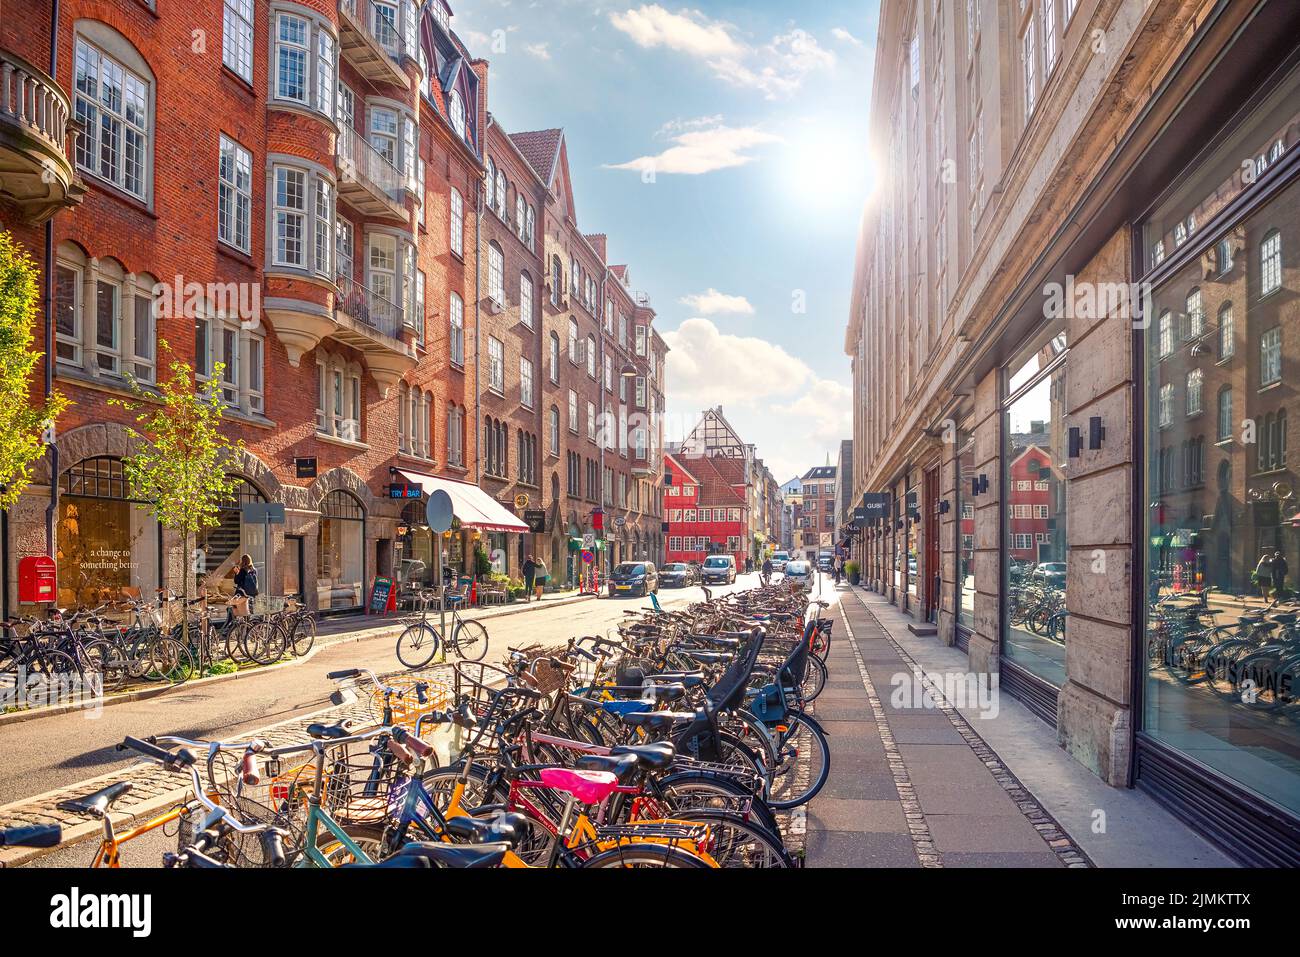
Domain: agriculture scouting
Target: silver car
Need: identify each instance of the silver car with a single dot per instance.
(798, 571)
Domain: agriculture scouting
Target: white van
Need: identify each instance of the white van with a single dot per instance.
(718, 569)
(779, 561)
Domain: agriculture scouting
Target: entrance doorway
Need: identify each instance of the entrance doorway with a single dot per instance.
(932, 574)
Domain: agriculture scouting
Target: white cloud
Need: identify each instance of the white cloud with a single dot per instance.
(538, 50)
(702, 149)
(839, 33)
(776, 68)
(773, 399)
(688, 31)
(711, 302)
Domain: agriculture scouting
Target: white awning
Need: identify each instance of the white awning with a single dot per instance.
(474, 507)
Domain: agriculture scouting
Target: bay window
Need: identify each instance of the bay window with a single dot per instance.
(302, 222)
(305, 59)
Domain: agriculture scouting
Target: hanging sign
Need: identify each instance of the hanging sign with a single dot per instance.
(382, 597)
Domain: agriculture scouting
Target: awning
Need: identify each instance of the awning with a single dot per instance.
(474, 507)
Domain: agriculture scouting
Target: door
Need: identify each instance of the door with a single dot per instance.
(293, 566)
(932, 575)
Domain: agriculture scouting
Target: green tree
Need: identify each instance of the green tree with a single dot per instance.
(22, 418)
(178, 465)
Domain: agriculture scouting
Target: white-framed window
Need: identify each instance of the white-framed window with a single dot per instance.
(674, 543)
(108, 324)
(1029, 66)
(1195, 315)
(526, 306)
(456, 332)
(496, 365)
(591, 421)
(457, 223)
(502, 189)
(1270, 356)
(573, 412)
(553, 431)
(1165, 325)
(237, 37)
(384, 125)
(1225, 413)
(345, 107)
(381, 266)
(241, 354)
(234, 194)
(640, 392)
(292, 47)
(640, 340)
(1270, 263)
(303, 223)
(1227, 332)
(420, 192)
(489, 181)
(68, 284)
(608, 373)
(525, 383)
(573, 340)
(690, 516)
(456, 114)
(1195, 388)
(555, 357)
(455, 435)
(325, 84)
(496, 274)
(1166, 413)
(113, 104)
(591, 356)
(344, 247)
(1049, 36)
(417, 316)
(521, 224)
(530, 226)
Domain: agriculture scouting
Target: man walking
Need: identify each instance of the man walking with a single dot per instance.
(530, 577)
(1280, 568)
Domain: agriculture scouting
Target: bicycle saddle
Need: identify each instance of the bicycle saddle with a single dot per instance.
(430, 854)
(687, 679)
(588, 787)
(328, 732)
(654, 721)
(621, 766)
(658, 693)
(654, 757)
(96, 803)
(501, 828)
(719, 641)
(704, 655)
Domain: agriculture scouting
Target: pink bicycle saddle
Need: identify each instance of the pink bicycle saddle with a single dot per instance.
(589, 787)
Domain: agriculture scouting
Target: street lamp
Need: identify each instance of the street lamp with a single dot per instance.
(628, 371)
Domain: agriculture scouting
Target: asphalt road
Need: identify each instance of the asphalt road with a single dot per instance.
(47, 753)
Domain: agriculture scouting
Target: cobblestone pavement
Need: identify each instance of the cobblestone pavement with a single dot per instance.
(913, 786)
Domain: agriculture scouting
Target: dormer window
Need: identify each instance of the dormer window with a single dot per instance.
(456, 113)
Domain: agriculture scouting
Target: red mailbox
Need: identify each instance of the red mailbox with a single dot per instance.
(36, 579)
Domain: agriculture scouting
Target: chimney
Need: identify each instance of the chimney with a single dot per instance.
(480, 68)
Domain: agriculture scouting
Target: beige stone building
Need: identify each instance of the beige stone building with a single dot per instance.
(1082, 255)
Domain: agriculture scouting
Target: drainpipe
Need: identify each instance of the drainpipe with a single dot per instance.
(52, 510)
(600, 390)
(478, 295)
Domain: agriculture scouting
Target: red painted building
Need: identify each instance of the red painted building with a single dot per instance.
(705, 508)
(1029, 509)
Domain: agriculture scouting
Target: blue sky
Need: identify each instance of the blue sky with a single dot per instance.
(723, 148)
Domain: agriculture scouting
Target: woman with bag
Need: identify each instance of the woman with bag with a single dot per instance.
(245, 585)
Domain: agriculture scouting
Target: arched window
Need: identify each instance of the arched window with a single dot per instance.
(1270, 262)
(529, 232)
(1227, 332)
(1195, 315)
(455, 435)
(553, 434)
(1225, 413)
(496, 274)
(489, 180)
(555, 357)
(115, 104)
(557, 280)
(520, 222)
(573, 340)
(457, 223)
(526, 299)
(1166, 328)
(591, 355)
(501, 193)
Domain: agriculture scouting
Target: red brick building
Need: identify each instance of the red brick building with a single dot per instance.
(705, 507)
(312, 198)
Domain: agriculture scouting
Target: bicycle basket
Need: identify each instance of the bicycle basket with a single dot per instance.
(415, 695)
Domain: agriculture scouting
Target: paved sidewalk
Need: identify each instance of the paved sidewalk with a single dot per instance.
(913, 786)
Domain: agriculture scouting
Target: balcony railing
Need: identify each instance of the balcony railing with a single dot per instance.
(369, 308)
(359, 162)
(377, 26)
(34, 126)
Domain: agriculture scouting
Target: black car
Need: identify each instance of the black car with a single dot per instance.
(634, 579)
(679, 575)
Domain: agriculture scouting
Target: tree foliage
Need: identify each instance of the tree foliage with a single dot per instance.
(180, 456)
(22, 419)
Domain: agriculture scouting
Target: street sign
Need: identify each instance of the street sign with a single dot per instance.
(620, 521)
(588, 556)
(305, 467)
(438, 511)
(404, 490)
(521, 501)
(589, 540)
(263, 513)
(535, 519)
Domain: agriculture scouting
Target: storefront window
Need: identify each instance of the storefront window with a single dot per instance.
(897, 540)
(416, 541)
(1034, 472)
(341, 582)
(911, 531)
(1223, 522)
(108, 545)
(965, 528)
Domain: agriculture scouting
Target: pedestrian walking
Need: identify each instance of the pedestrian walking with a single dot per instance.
(1264, 573)
(1280, 568)
(540, 577)
(839, 568)
(529, 569)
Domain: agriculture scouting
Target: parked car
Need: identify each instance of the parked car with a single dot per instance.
(825, 562)
(679, 575)
(779, 561)
(1051, 574)
(798, 571)
(634, 579)
(719, 569)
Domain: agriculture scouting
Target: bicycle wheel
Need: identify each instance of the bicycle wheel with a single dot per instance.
(710, 791)
(736, 842)
(304, 633)
(805, 763)
(170, 661)
(814, 679)
(441, 784)
(470, 640)
(263, 643)
(417, 645)
(108, 661)
(639, 854)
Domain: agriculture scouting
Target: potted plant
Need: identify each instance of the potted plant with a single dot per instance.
(854, 571)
